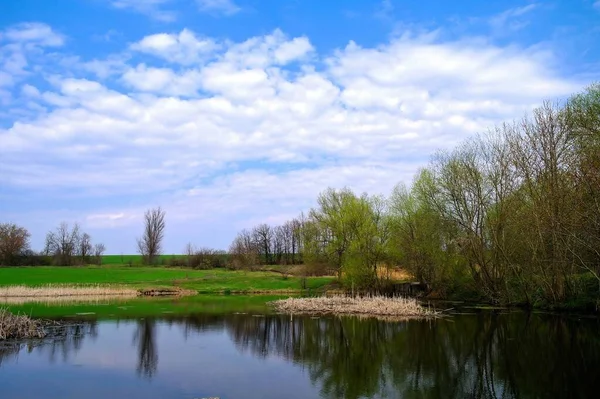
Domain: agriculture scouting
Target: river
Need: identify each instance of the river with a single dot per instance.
(250, 355)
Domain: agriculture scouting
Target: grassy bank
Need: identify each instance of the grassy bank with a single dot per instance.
(146, 307)
(203, 281)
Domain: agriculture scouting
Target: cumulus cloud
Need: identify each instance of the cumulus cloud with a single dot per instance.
(163, 80)
(33, 33)
(183, 48)
(257, 129)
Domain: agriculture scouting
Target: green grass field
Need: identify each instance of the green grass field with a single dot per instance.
(148, 307)
(134, 259)
(203, 281)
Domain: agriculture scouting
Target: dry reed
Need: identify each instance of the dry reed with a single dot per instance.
(373, 306)
(64, 300)
(65, 291)
(19, 326)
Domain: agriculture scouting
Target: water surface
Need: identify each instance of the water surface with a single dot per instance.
(482, 355)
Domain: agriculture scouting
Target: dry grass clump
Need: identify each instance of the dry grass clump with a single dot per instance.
(19, 326)
(373, 306)
(65, 291)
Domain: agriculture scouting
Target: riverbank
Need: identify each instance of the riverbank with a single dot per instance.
(214, 281)
(342, 305)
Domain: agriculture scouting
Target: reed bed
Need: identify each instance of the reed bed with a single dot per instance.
(342, 305)
(21, 291)
(19, 326)
(64, 300)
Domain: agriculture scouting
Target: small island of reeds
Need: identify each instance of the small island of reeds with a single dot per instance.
(342, 305)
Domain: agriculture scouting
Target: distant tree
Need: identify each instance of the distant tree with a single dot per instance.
(263, 237)
(149, 246)
(85, 247)
(190, 250)
(98, 252)
(244, 251)
(62, 244)
(14, 241)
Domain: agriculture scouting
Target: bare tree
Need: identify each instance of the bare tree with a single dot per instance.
(263, 236)
(244, 251)
(85, 247)
(149, 246)
(98, 251)
(62, 244)
(190, 250)
(14, 240)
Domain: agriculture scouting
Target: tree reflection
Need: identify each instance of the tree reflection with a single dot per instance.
(62, 340)
(145, 338)
(485, 355)
(479, 356)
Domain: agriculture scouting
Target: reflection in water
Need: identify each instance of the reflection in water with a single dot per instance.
(479, 356)
(487, 355)
(145, 338)
(62, 340)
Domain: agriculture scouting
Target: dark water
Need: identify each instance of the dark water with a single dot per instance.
(486, 355)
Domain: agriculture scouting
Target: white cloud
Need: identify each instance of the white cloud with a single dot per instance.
(227, 7)
(113, 65)
(512, 19)
(163, 80)
(183, 48)
(151, 8)
(33, 32)
(19, 44)
(30, 91)
(242, 136)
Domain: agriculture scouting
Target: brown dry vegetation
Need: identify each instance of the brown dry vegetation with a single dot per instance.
(19, 326)
(374, 306)
(63, 300)
(65, 291)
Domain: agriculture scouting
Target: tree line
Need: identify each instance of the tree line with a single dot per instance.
(66, 246)
(509, 216)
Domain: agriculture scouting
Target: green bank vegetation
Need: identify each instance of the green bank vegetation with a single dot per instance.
(203, 281)
(147, 307)
(508, 217)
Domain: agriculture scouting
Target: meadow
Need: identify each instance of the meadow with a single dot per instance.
(143, 277)
(146, 307)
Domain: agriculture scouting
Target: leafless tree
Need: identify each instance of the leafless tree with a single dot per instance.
(263, 237)
(14, 240)
(85, 247)
(62, 244)
(244, 251)
(190, 250)
(98, 252)
(149, 246)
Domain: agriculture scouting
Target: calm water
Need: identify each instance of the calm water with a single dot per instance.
(482, 355)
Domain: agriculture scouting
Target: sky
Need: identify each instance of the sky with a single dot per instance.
(231, 113)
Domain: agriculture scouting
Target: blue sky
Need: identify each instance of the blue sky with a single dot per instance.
(229, 113)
